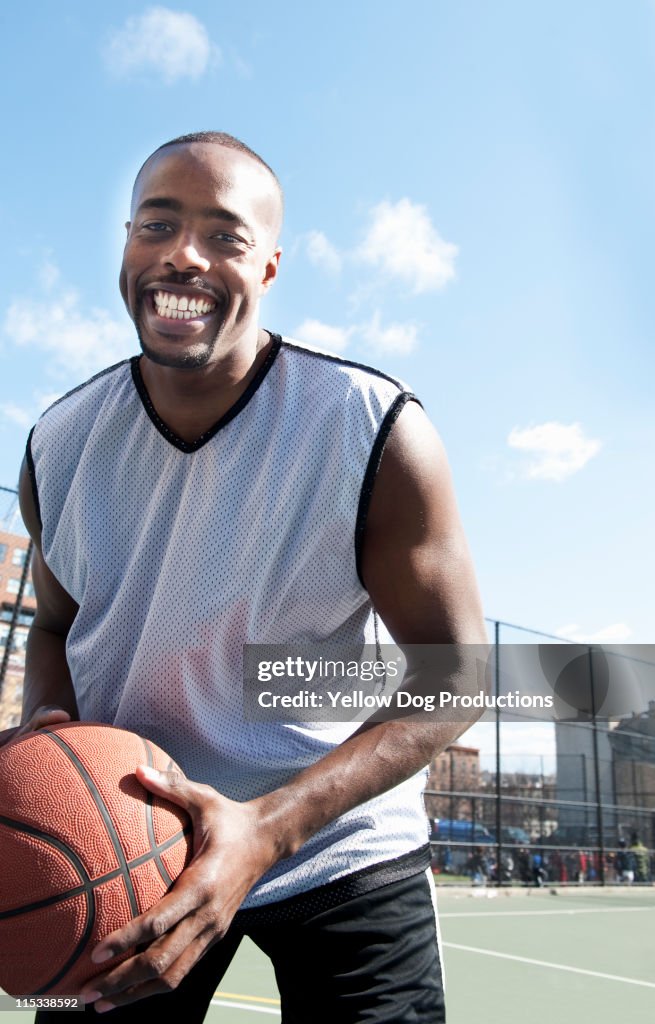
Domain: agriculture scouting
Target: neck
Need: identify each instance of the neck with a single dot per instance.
(191, 401)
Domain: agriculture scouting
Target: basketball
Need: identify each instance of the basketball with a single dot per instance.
(84, 848)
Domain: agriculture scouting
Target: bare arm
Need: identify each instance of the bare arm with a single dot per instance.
(418, 572)
(47, 684)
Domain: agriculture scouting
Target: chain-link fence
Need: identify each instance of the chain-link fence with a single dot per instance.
(568, 801)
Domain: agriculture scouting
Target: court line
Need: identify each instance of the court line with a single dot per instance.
(244, 1006)
(251, 999)
(539, 913)
(546, 963)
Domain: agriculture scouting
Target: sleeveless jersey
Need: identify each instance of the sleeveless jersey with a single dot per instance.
(180, 553)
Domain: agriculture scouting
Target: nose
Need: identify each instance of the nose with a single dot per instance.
(185, 254)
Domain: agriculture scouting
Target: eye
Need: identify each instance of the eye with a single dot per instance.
(225, 236)
(156, 225)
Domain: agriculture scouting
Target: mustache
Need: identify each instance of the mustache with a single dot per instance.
(180, 278)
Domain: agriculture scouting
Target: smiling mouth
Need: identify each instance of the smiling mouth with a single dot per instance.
(181, 307)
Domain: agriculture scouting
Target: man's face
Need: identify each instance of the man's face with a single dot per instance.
(200, 252)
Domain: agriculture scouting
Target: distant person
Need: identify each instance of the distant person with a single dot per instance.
(478, 867)
(624, 863)
(641, 859)
(523, 866)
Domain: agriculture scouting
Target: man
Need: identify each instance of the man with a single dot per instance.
(230, 487)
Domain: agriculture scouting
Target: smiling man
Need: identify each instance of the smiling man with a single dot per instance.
(226, 487)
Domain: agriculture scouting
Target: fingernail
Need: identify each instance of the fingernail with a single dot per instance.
(150, 773)
(90, 997)
(104, 1006)
(100, 955)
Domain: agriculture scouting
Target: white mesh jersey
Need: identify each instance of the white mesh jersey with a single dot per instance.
(178, 554)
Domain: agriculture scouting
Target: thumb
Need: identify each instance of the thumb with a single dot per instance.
(171, 784)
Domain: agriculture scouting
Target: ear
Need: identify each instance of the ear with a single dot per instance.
(270, 271)
(122, 277)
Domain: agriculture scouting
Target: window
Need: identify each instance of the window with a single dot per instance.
(19, 556)
(13, 586)
(3, 552)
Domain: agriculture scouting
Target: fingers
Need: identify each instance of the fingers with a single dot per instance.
(43, 716)
(158, 969)
(194, 797)
(49, 714)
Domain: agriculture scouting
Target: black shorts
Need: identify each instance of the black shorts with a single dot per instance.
(373, 957)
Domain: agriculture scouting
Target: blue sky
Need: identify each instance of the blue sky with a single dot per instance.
(470, 205)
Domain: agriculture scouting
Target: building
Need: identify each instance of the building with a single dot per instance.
(13, 554)
(455, 770)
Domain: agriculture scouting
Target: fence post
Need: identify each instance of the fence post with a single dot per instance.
(599, 795)
(498, 762)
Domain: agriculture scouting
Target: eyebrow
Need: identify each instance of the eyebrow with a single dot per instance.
(211, 212)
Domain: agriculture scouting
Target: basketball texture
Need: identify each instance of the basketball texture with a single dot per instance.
(84, 848)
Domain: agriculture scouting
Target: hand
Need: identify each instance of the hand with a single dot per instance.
(49, 714)
(230, 853)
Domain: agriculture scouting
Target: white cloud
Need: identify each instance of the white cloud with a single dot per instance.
(25, 416)
(617, 633)
(404, 244)
(77, 343)
(396, 338)
(16, 414)
(322, 253)
(323, 335)
(43, 400)
(556, 450)
(173, 44)
(48, 275)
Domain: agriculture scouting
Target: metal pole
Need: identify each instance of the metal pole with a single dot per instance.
(599, 796)
(14, 617)
(498, 774)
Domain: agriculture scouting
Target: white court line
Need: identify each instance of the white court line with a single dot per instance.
(546, 963)
(244, 1006)
(537, 913)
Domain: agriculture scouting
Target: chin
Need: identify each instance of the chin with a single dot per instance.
(178, 357)
(186, 360)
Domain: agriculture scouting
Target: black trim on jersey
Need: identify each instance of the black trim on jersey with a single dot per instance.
(305, 904)
(371, 472)
(91, 380)
(29, 460)
(331, 357)
(28, 451)
(192, 446)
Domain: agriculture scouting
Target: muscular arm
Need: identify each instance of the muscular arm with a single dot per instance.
(47, 678)
(418, 572)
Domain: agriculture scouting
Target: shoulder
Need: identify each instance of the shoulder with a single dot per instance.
(89, 390)
(331, 365)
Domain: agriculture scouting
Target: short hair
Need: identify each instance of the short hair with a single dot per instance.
(218, 139)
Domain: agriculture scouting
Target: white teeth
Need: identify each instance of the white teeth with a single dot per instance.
(180, 307)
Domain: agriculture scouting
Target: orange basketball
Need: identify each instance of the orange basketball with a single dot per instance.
(84, 848)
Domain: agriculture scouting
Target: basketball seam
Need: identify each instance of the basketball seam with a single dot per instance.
(86, 889)
(105, 815)
(150, 826)
(92, 883)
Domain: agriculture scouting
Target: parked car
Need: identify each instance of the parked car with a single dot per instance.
(450, 830)
(510, 835)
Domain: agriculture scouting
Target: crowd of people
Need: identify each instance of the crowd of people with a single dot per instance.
(631, 863)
